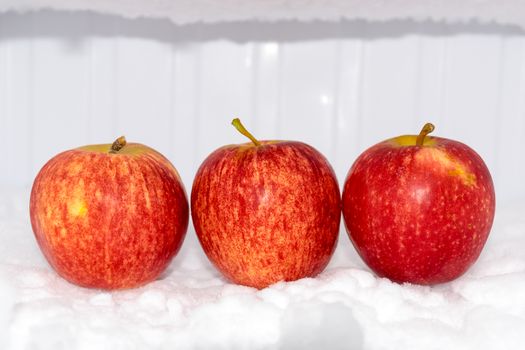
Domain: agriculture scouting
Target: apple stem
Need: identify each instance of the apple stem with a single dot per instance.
(427, 129)
(238, 125)
(118, 145)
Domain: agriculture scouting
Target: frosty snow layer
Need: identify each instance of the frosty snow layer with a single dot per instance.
(210, 11)
(192, 307)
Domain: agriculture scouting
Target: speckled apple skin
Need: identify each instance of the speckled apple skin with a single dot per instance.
(266, 213)
(419, 214)
(109, 221)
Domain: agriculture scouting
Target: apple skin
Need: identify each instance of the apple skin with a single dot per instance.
(419, 214)
(109, 221)
(266, 213)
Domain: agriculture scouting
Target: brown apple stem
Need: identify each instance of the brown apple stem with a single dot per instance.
(427, 129)
(238, 125)
(118, 145)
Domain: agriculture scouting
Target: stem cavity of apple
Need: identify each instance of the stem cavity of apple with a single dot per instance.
(427, 129)
(118, 145)
(238, 125)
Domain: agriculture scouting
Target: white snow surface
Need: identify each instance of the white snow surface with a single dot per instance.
(192, 307)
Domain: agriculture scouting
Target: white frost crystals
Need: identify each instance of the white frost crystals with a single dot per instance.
(7, 300)
(192, 307)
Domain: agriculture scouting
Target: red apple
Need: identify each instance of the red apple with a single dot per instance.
(419, 209)
(109, 216)
(266, 211)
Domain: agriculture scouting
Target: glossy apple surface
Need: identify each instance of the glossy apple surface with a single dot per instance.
(419, 209)
(266, 211)
(109, 216)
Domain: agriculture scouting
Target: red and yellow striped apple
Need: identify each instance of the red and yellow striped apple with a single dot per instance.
(109, 216)
(266, 211)
(418, 208)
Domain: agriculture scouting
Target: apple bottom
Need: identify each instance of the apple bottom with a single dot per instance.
(113, 278)
(257, 245)
(422, 243)
(272, 262)
(425, 267)
(133, 259)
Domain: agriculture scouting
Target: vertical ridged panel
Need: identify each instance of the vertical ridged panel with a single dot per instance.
(266, 81)
(17, 75)
(225, 93)
(102, 68)
(430, 88)
(4, 92)
(184, 136)
(308, 96)
(70, 79)
(60, 87)
(388, 90)
(348, 104)
(472, 93)
(143, 93)
(510, 124)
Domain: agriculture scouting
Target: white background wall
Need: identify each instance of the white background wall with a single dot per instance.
(72, 79)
